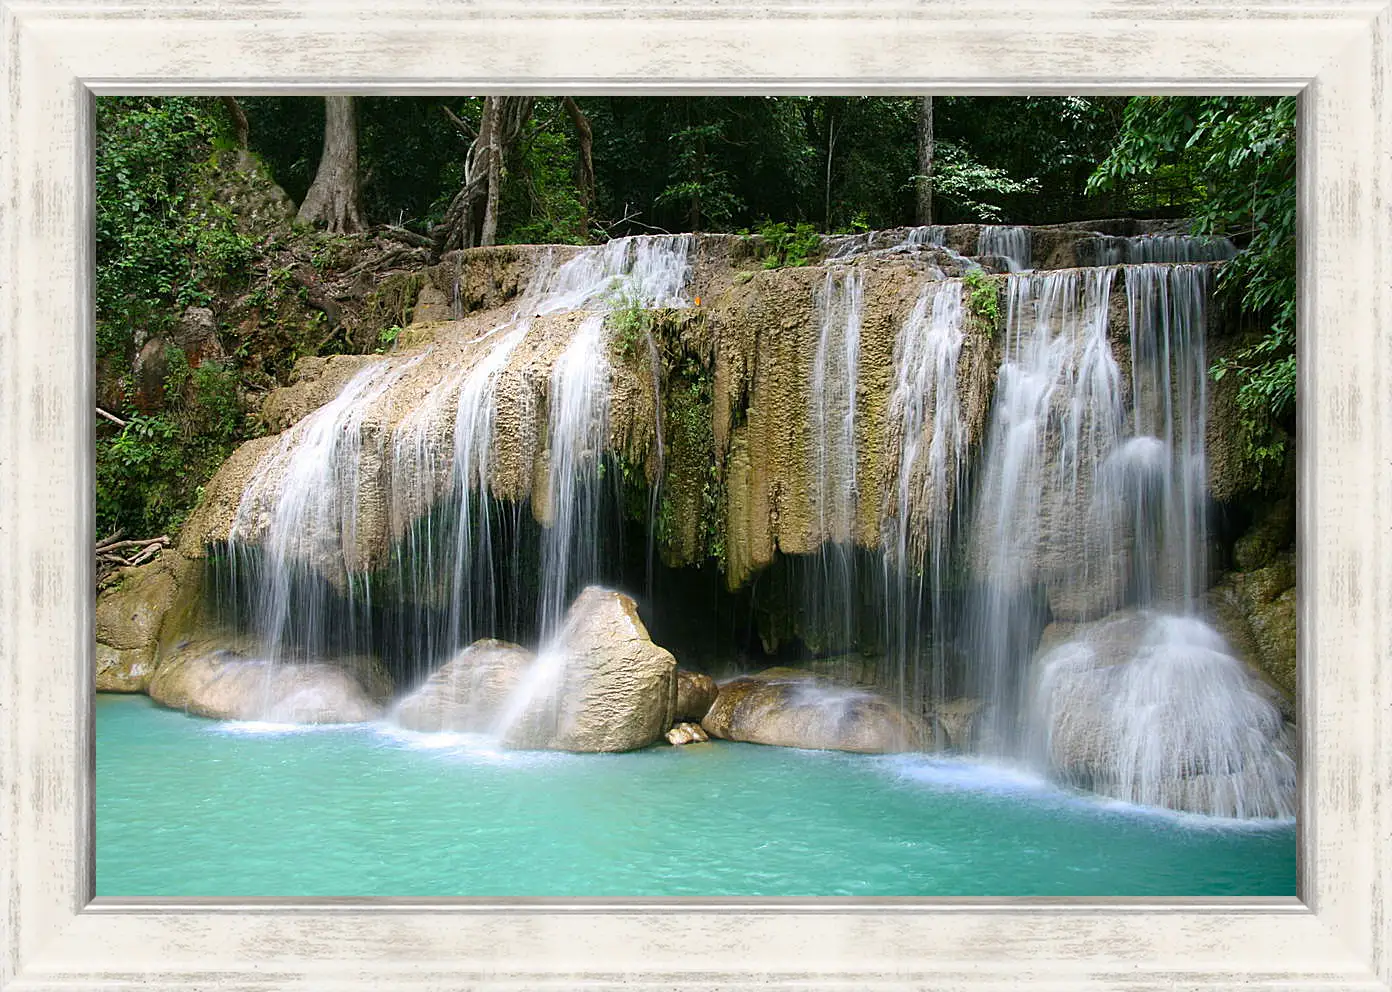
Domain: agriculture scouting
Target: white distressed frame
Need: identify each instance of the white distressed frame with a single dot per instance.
(1334, 53)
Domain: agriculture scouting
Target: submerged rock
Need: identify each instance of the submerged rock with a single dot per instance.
(603, 686)
(794, 708)
(1155, 709)
(224, 683)
(686, 733)
(468, 692)
(695, 694)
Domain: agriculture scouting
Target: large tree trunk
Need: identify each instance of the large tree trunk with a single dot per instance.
(489, 235)
(584, 137)
(239, 121)
(333, 199)
(924, 199)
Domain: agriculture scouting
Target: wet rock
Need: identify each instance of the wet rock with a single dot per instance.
(959, 720)
(124, 671)
(695, 694)
(468, 692)
(603, 686)
(133, 613)
(129, 612)
(225, 682)
(794, 708)
(1257, 611)
(686, 733)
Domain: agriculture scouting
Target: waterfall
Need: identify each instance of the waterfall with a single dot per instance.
(301, 507)
(1057, 409)
(296, 560)
(926, 421)
(1010, 243)
(832, 425)
(1109, 250)
(577, 432)
(932, 235)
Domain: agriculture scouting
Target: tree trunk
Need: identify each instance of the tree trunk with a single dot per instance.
(584, 180)
(924, 202)
(494, 146)
(333, 198)
(239, 121)
(831, 150)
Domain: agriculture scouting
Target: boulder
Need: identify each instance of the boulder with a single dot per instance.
(124, 671)
(789, 707)
(467, 693)
(132, 614)
(603, 685)
(231, 683)
(686, 733)
(1155, 709)
(695, 694)
(129, 612)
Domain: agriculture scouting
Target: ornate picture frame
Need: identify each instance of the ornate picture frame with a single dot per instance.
(1336, 54)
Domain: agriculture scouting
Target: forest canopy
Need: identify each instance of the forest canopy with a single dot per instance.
(441, 173)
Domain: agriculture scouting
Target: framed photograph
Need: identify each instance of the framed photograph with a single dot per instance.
(680, 495)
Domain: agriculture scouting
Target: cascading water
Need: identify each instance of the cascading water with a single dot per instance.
(1090, 497)
(1010, 243)
(927, 423)
(931, 235)
(832, 422)
(301, 509)
(295, 555)
(1088, 503)
(1057, 411)
(1144, 248)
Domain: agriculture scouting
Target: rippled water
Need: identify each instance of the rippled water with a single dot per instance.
(189, 807)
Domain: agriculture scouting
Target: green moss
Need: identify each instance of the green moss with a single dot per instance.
(983, 298)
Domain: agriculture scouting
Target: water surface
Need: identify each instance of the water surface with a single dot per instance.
(191, 807)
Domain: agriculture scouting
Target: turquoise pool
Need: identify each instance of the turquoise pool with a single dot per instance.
(190, 807)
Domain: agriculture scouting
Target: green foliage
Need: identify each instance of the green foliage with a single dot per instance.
(1237, 157)
(983, 298)
(963, 181)
(631, 325)
(150, 474)
(541, 203)
(386, 337)
(160, 245)
(782, 246)
(700, 186)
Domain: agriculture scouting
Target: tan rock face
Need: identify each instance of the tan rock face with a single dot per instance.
(124, 671)
(468, 692)
(213, 680)
(129, 613)
(1257, 612)
(695, 694)
(793, 708)
(133, 614)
